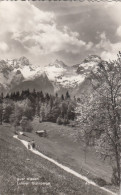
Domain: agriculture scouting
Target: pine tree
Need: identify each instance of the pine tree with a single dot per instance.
(62, 97)
(7, 96)
(47, 97)
(56, 95)
(67, 95)
(2, 96)
(42, 97)
(51, 102)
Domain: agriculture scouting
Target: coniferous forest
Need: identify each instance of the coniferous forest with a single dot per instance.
(29, 104)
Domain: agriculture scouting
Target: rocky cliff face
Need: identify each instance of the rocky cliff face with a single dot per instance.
(88, 64)
(19, 74)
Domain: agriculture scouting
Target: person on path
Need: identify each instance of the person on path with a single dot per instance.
(33, 144)
(29, 145)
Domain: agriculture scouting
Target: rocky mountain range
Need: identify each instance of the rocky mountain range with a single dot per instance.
(20, 74)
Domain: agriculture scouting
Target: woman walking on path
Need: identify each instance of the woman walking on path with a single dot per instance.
(29, 145)
(33, 144)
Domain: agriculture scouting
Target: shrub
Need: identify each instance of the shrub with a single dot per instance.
(65, 121)
(13, 120)
(59, 121)
(101, 182)
(8, 110)
(25, 124)
(114, 178)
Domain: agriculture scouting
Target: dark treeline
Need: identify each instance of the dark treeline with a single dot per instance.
(30, 104)
(17, 96)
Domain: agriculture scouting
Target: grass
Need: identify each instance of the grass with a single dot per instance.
(61, 144)
(18, 162)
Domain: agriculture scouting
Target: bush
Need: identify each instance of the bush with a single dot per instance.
(50, 115)
(25, 124)
(59, 121)
(101, 182)
(13, 120)
(114, 178)
(65, 121)
(8, 110)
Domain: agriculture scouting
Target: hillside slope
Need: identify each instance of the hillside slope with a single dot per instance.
(18, 162)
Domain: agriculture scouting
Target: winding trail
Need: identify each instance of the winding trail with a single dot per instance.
(67, 169)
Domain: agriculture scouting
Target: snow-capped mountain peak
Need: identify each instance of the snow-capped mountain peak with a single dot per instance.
(57, 64)
(24, 61)
(88, 64)
(56, 75)
(44, 75)
(18, 63)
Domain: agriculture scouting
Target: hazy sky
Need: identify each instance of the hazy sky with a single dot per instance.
(68, 31)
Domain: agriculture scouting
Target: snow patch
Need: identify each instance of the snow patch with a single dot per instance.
(88, 65)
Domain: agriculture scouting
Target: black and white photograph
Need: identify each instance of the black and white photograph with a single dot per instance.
(60, 97)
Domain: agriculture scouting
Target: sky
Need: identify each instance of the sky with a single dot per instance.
(67, 31)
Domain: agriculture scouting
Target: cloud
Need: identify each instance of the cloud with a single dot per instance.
(49, 39)
(118, 32)
(104, 43)
(3, 47)
(42, 31)
(20, 17)
(37, 30)
(89, 45)
(108, 49)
